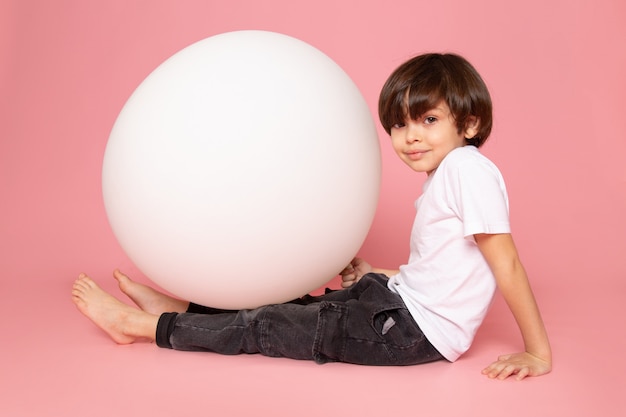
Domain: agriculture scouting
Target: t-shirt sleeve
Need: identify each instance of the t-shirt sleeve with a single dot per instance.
(480, 198)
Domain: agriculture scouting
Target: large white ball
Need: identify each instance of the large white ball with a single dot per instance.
(243, 171)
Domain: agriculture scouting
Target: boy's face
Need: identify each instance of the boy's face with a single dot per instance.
(424, 142)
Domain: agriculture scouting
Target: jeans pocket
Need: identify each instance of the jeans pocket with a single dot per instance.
(330, 335)
(396, 328)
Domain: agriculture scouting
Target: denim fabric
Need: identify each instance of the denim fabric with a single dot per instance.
(365, 324)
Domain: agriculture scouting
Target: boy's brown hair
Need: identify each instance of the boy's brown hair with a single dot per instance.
(422, 82)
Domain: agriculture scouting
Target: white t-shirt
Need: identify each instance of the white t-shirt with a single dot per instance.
(447, 284)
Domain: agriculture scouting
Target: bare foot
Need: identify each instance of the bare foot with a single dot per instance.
(124, 324)
(148, 299)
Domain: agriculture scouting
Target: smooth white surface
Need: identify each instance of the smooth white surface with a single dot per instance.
(243, 171)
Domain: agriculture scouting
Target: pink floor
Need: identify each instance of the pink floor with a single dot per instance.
(556, 72)
(55, 362)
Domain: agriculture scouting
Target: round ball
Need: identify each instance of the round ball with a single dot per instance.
(243, 171)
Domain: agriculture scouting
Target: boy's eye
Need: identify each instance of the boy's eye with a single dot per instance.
(430, 120)
(397, 125)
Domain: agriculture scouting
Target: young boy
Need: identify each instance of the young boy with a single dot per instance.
(437, 111)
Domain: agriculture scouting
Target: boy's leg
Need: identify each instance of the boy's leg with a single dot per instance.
(283, 330)
(366, 324)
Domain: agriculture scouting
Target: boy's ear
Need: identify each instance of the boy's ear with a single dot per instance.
(471, 127)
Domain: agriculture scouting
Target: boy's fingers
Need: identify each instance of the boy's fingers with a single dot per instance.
(348, 278)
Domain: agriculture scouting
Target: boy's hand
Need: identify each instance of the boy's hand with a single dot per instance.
(354, 271)
(519, 364)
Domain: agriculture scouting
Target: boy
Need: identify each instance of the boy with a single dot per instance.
(437, 111)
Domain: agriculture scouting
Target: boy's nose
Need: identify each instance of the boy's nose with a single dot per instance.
(412, 134)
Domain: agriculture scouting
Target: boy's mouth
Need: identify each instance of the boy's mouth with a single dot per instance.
(415, 155)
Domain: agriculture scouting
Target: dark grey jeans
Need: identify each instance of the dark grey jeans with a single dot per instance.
(365, 324)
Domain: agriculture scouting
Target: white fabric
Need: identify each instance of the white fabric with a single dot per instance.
(447, 284)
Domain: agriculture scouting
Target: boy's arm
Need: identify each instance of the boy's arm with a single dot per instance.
(502, 257)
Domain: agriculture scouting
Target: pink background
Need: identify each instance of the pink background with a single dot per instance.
(556, 73)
